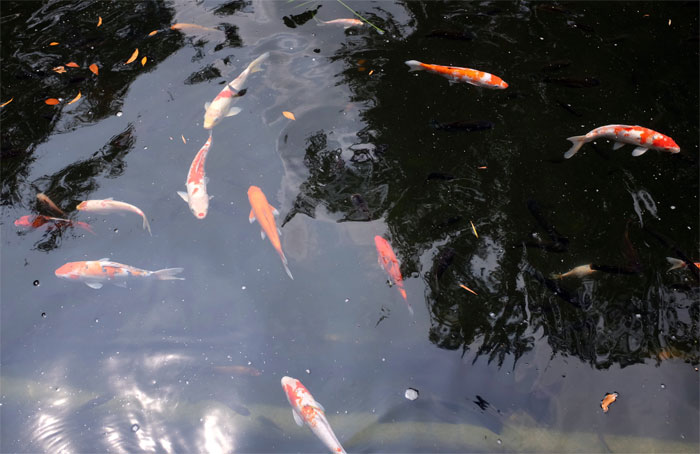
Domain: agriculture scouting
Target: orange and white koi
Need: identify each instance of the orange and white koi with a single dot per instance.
(346, 23)
(579, 271)
(675, 263)
(220, 107)
(94, 273)
(265, 214)
(307, 411)
(196, 184)
(457, 74)
(36, 221)
(45, 199)
(387, 260)
(108, 206)
(643, 138)
(607, 400)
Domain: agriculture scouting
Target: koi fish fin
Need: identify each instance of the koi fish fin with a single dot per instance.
(639, 151)
(206, 105)
(262, 234)
(578, 142)
(414, 65)
(95, 285)
(403, 293)
(274, 210)
(109, 198)
(251, 217)
(168, 274)
(104, 259)
(146, 225)
(618, 145)
(184, 196)
(675, 263)
(120, 284)
(320, 407)
(233, 111)
(297, 418)
(289, 273)
(255, 65)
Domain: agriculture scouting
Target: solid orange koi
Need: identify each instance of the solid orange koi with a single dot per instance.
(95, 273)
(265, 214)
(387, 260)
(36, 221)
(196, 184)
(43, 198)
(457, 74)
(643, 138)
(306, 410)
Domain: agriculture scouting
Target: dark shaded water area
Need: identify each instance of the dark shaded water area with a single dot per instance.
(468, 185)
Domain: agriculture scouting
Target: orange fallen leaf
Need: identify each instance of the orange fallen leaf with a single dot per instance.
(53, 43)
(474, 229)
(153, 33)
(72, 64)
(370, 73)
(288, 115)
(52, 101)
(93, 67)
(607, 400)
(6, 102)
(361, 68)
(482, 167)
(59, 69)
(468, 289)
(143, 61)
(76, 98)
(645, 15)
(133, 57)
(184, 140)
(99, 20)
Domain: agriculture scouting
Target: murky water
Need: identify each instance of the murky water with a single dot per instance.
(469, 186)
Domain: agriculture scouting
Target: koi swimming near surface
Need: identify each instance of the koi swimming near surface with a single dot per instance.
(265, 214)
(43, 198)
(346, 23)
(307, 411)
(196, 195)
(109, 205)
(457, 74)
(387, 260)
(643, 138)
(579, 271)
(36, 221)
(220, 107)
(675, 263)
(95, 273)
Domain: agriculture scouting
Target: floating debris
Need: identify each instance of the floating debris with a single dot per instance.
(135, 428)
(607, 400)
(52, 101)
(474, 229)
(133, 57)
(6, 102)
(76, 98)
(54, 43)
(72, 64)
(95, 70)
(183, 139)
(411, 394)
(59, 69)
(288, 115)
(99, 20)
(153, 33)
(143, 61)
(468, 289)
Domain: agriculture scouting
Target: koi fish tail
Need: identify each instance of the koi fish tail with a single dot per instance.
(87, 227)
(284, 262)
(414, 65)
(578, 142)
(403, 293)
(556, 276)
(255, 65)
(675, 263)
(168, 274)
(146, 225)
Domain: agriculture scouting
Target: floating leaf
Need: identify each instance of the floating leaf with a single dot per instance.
(468, 289)
(6, 102)
(143, 61)
(93, 67)
(72, 64)
(133, 57)
(99, 20)
(184, 140)
(482, 167)
(370, 73)
(474, 229)
(288, 115)
(59, 69)
(76, 98)
(153, 33)
(52, 101)
(53, 43)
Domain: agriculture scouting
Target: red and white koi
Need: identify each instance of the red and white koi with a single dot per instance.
(457, 74)
(675, 263)
(307, 411)
(196, 184)
(108, 206)
(346, 23)
(95, 273)
(220, 107)
(36, 221)
(387, 260)
(643, 138)
(265, 214)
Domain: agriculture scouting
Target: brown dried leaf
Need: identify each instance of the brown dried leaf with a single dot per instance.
(72, 64)
(133, 57)
(6, 102)
(288, 115)
(99, 20)
(59, 69)
(93, 67)
(52, 101)
(153, 33)
(143, 61)
(468, 289)
(370, 73)
(53, 43)
(184, 140)
(76, 98)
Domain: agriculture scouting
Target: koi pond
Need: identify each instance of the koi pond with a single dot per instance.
(540, 310)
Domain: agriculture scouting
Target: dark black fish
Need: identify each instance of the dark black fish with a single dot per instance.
(439, 176)
(459, 35)
(468, 126)
(556, 65)
(573, 82)
(294, 20)
(360, 205)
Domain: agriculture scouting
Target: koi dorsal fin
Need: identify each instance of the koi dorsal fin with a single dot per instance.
(251, 217)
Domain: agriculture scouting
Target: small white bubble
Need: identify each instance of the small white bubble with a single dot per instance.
(145, 148)
(119, 114)
(638, 315)
(347, 300)
(308, 371)
(663, 386)
(135, 428)
(492, 315)
(411, 394)
(499, 441)
(673, 207)
(243, 287)
(383, 360)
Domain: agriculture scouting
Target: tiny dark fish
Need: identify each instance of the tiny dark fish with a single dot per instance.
(439, 176)
(556, 65)
(467, 126)
(573, 82)
(459, 35)
(360, 205)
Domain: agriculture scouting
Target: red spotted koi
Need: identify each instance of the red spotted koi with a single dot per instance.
(36, 221)
(457, 74)
(643, 138)
(307, 411)
(675, 263)
(196, 195)
(346, 23)
(95, 273)
(387, 260)
(265, 214)
(107, 206)
(220, 107)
